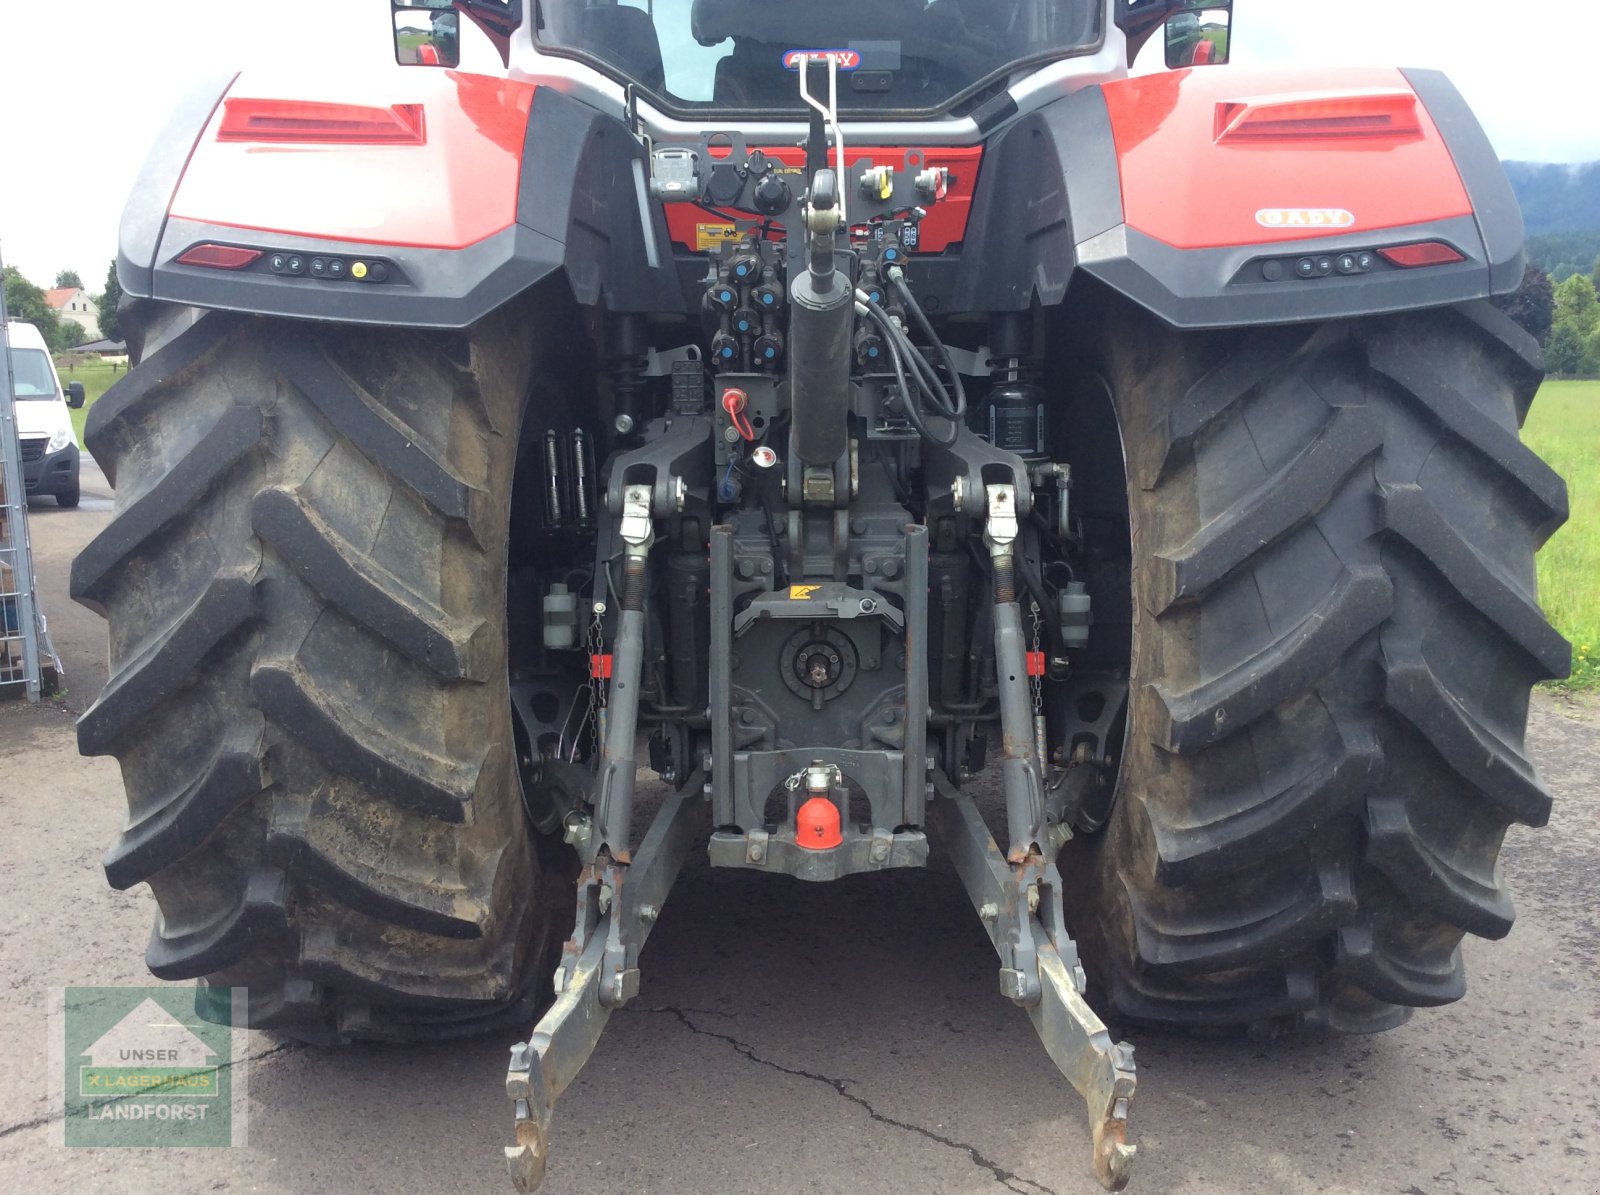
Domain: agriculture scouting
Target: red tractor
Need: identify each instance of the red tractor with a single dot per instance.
(851, 401)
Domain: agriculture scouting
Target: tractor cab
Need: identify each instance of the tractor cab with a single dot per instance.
(943, 61)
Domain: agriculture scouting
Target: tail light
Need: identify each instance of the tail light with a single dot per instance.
(1390, 114)
(311, 122)
(1423, 253)
(219, 257)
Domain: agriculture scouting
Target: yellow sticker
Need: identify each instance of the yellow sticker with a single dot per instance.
(709, 236)
(799, 593)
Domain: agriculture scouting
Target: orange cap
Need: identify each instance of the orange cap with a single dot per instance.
(816, 826)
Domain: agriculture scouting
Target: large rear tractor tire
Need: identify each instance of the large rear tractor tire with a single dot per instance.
(305, 584)
(1335, 631)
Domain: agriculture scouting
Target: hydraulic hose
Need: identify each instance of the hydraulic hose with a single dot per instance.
(895, 339)
(897, 279)
(927, 377)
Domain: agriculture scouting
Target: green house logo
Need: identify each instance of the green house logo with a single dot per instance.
(142, 1069)
(148, 1053)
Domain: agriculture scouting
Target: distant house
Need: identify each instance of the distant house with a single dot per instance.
(74, 303)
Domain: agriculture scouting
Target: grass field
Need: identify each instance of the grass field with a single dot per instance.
(1564, 428)
(96, 377)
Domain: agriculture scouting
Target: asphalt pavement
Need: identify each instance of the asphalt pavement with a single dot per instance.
(823, 1038)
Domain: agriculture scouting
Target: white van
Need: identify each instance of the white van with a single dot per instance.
(44, 428)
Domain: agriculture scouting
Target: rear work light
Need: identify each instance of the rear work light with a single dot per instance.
(1391, 114)
(219, 257)
(1423, 253)
(314, 123)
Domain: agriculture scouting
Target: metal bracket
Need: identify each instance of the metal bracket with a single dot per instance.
(759, 850)
(676, 448)
(599, 972)
(635, 526)
(1020, 906)
(956, 476)
(1000, 530)
(821, 600)
(816, 486)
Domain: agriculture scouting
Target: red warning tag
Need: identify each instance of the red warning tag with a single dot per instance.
(600, 667)
(1036, 663)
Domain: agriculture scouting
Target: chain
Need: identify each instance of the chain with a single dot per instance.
(1035, 680)
(597, 684)
(1036, 683)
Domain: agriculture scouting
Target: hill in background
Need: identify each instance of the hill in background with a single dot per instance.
(1557, 198)
(1561, 207)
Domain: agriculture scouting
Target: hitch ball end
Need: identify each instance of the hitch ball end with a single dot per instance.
(1113, 1156)
(526, 1160)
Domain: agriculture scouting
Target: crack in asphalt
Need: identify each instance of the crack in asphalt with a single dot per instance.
(23, 1126)
(1007, 1179)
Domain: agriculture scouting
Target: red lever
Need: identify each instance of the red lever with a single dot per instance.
(734, 401)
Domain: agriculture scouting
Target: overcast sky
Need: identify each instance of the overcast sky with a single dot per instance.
(86, 85)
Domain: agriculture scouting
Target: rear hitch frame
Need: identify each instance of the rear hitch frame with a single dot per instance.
(1017, 894)
(1020, 905)
(617, 908)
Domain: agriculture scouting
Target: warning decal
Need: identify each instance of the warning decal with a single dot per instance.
(709, 236)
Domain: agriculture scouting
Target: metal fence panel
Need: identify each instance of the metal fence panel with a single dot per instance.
(22, 634)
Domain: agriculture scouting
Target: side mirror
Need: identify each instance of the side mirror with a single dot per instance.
(426, 32)
(74, 395)
(1199, 34)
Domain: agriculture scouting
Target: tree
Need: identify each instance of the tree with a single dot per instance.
(1563, 352)
(26, 302)
(68, 278)
(1578, 304)
(72, 335)
(1532, 304)
(110, 317)
(1574, 343)
(1564, 254)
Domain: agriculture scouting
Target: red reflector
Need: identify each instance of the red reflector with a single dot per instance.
(1036, 663)
(219, 257)
(314, 123)
(1314, 117)
(1424, 253)
(600, 666)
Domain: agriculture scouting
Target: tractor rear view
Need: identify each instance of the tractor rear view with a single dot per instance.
(909, 431)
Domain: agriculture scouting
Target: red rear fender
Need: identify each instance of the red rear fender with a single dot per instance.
(1228, 156)
(1224, 196)
(408, 196)
(285, 156)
